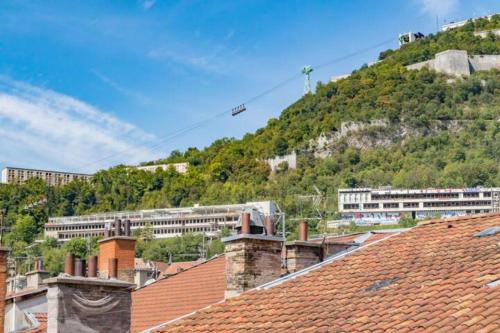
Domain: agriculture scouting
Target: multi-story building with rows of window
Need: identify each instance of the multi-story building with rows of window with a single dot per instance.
(165, 222)
(12, 175)
(387, 205)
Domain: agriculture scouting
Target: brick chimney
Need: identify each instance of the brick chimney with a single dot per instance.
(82, 304)
(34, 279)
(3, 284)
(301, 253)
(120, 247)
(252, 257)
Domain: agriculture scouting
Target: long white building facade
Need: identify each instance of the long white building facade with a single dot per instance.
(12, 175)
(165, 222)
(179, 167)
(387, 205)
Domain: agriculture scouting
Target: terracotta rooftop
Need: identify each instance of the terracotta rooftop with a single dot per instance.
(179, 294)
(436, 277)
(41, 318)
(179, 266)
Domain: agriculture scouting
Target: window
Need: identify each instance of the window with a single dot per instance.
(371, 206)
(351, 206)
(391, 205)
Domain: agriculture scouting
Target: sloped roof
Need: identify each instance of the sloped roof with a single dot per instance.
(178, 294)
(436, 277)
(41, 318)
(179, 266)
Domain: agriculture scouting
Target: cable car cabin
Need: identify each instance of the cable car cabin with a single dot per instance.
(239, 109)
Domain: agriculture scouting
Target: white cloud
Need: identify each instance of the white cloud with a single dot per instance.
(203, 62)
(147, 4)
(41, 128)
(441, 8)
(139, 97)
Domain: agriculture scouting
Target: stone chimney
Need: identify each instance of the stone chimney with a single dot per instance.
(34, 279)
(301, 253)
(120, 247)
(81, 304)
(3, 284)
(252, 257)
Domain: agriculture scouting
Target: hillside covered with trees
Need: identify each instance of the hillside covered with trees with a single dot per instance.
(420, 104)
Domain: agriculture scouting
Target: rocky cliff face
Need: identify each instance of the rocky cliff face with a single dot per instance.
(378, 133)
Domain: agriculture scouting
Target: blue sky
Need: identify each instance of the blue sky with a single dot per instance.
(89, 84)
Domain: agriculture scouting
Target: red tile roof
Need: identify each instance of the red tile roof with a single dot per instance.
(180, 266)
(432, 278)
(179, 294)
(42, 327)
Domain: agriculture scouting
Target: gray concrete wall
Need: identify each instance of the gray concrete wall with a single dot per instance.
(485, 62)
(487, 32)
(452, 62)
(419, 65)
(458, 63)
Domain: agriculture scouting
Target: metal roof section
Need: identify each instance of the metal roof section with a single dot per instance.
(363, 238)
(266, 207)
(257, 218)
(488, 232)
(493, 284)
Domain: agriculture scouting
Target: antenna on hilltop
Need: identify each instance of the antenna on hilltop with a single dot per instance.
(307, 79)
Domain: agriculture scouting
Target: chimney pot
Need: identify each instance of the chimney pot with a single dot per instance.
(113, 268)
(126, 228)
(303, 231)
(92, 268)
(269, 226)
(78, 267)
(245, 223)
(39, 264)
(69, 264)
(118, 227)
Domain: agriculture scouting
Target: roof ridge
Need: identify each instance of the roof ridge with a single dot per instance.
(457, 218)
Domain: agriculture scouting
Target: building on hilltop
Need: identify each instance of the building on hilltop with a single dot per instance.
(164, 222)
(454, 25)
(441, 276)
(409, 37)
(458, 63)
(11, 175)
(387, 205)
(179, 167)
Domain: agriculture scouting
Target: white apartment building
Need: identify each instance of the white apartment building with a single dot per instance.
(387, 205)
(179, 167)
(12, 175)
(165, 222)
(454, 25)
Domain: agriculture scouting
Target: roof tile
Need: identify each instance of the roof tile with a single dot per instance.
(441, 271)
(179, 294)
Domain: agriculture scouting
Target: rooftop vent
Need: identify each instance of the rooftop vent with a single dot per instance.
(381, 284)
(488, 232)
